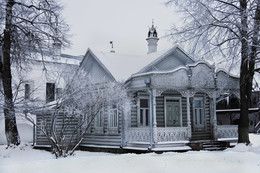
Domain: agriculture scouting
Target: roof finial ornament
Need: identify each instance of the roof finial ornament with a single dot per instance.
(112, 47)
(152, 38)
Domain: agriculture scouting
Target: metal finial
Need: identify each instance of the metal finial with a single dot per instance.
(111, 42)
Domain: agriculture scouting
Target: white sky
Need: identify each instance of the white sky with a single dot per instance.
(94, 23)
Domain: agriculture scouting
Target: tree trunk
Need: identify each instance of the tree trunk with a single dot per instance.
(243, 126)
(245, 88)
(11, 130)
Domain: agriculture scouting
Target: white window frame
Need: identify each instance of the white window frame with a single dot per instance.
(99, 119)
(113, 116)
(143, 110)
(165, 113)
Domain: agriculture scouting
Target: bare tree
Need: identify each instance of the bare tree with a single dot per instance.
(229, 29)
(72, 115)
(26, 28)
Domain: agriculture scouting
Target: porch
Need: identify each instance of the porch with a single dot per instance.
(177, 139)
(163, 139)
(175, 108)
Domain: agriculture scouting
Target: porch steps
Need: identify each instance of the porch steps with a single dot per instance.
(209, 145)
(215, 145)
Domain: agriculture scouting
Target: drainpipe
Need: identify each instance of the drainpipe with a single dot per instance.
(148, 84)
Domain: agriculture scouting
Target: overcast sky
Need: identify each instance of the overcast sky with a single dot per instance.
(94, 23)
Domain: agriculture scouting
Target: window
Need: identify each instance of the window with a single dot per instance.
(50, 92)
(113, 116)
(144, 112)
(198, 112)
(99, 118)
(27, 91)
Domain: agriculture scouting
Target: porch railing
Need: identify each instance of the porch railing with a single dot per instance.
(168, 134)
(227, 131)
(163, 134)
(136, 134)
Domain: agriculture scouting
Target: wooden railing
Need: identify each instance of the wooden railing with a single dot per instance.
(168, 134)
(141, 134)
(227, 131)
(162, 134)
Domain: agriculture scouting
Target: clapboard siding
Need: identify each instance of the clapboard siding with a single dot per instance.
(184, 111)
(102, 140)
(134, 115)
(160, 118)
(108, 136)
(46, 119)
(207, 113)
(41, 139)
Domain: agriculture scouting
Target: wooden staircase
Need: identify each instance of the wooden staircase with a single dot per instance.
(209, 145)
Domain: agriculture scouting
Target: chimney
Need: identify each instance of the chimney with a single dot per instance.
(56, 49)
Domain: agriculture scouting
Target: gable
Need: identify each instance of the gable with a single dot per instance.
(95, 69)
(171, 60)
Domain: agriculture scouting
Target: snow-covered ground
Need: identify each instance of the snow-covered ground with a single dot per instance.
(24, 159)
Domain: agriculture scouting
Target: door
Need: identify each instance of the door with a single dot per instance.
(173, 112)
(198, 116)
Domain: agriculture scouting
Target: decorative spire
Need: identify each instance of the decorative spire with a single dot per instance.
(152, 31)
(112, 47)
(152, 39)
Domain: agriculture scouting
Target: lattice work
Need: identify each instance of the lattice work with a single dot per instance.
(228, 131)
(163, 134)
(138, 135)
(172, 134)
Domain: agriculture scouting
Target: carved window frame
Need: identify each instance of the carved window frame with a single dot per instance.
(139, 109)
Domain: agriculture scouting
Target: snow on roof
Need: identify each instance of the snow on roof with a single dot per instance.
(160, 55)
(122, 66)
(47, 56)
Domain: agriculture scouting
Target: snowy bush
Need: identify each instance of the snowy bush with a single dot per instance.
(72, 114)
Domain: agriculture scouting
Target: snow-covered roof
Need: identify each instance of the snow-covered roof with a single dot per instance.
(122, 66)
(48, 56)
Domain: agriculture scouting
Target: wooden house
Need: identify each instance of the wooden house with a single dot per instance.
(228, 111)
(173, 99)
